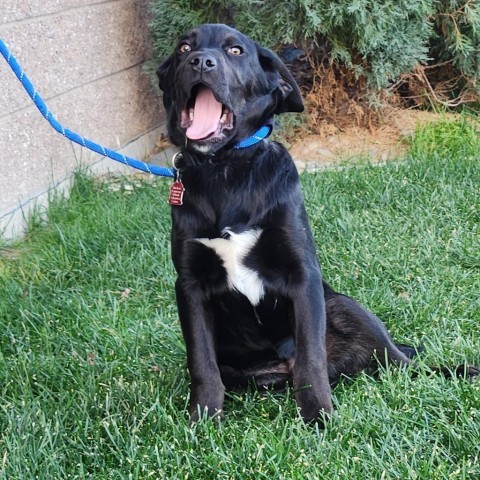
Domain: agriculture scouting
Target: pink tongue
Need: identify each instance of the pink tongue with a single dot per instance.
(206, 115)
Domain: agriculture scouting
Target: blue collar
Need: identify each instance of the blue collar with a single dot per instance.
(258, 136)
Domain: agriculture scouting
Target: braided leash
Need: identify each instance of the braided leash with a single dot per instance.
(75, 137)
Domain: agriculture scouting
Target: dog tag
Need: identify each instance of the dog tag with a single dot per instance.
(176, 193)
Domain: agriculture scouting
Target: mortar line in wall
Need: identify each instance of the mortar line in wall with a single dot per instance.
(66, 92)
(58, 14)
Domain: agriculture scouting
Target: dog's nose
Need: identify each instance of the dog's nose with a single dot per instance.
(203, 62)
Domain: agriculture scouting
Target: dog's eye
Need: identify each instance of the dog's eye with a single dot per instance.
(184, 48)
(235, 50)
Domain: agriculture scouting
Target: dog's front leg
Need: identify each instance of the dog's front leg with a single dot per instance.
(206, 390)
(310, 372)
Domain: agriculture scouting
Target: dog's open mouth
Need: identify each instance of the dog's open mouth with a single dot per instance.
(205, 117)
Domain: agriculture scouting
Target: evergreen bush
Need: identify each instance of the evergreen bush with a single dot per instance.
(427, 49)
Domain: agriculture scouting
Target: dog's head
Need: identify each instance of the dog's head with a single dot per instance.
(220, 87)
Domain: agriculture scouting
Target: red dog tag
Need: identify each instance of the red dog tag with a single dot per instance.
(176, 193)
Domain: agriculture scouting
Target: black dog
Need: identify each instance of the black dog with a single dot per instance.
(251, 299)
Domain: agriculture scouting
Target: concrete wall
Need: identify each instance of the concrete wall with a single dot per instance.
(85, 59)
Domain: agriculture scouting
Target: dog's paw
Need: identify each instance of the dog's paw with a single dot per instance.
(315, 403)
(206, 401)
(410, 351)
(198, 414)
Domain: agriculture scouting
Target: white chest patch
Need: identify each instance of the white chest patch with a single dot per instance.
(232, 251)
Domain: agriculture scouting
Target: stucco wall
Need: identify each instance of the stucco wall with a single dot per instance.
(85, 58)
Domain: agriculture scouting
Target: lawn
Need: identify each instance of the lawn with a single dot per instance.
(93, 383)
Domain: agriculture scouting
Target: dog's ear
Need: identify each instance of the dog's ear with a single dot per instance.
(165, 80)
(163, 72)
(280, 78)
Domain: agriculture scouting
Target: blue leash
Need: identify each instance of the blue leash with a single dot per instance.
(258, 136)
(75, 137)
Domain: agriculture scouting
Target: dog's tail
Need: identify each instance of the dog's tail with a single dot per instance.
(468, 372)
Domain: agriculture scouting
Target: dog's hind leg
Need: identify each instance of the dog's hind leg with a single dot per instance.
(355, 336)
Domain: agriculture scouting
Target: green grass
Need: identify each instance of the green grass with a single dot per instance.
(93, 381)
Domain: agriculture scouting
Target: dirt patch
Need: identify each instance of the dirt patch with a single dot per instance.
(379, 144)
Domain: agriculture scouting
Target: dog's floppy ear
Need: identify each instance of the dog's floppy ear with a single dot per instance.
(165, 80)
(280, 78)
